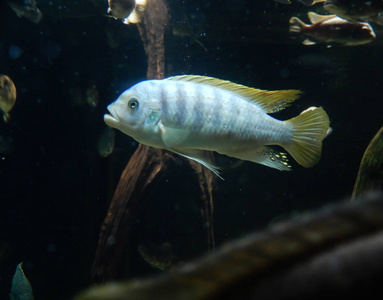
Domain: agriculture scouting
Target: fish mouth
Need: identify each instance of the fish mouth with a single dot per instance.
(111, 119)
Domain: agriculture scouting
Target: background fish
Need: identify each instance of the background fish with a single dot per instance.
(332, 29)
(105, 143)
(356, 10)
(190, 115)
(7, 96)
(305, 2)
(21, 287)
(27, 9)
(129, 11)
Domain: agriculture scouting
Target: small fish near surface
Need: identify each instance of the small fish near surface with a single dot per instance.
(332, 29)
(7, 96)
(130, 11)
(27, 9)
(191, 115)
(356, 10)
(305, 2)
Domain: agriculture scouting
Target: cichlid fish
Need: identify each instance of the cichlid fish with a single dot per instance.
(332, 29)
(190, 115)
(130, 11)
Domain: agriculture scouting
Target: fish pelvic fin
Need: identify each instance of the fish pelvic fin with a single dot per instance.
(309, 130)
(296, 25)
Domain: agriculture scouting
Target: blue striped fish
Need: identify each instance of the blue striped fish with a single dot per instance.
(190, 115)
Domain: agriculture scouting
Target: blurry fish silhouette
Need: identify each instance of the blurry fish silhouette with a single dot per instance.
(191, 115)
(332, 29)
(105, 143)
(130, 11)
(158, 256)
(305, 2)
(356, 10)
(7, 96)
(21, 287)
(27, 9)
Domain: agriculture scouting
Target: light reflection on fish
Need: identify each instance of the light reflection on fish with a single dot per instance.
(190, 115)
(130, 11)
(332, 29)
(27, 9)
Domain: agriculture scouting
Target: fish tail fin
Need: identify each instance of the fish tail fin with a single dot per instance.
(136, 15)
(296, 25)
(309, 130)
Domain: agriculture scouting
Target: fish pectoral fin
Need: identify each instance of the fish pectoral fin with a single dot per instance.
(264, 156)
(308, 42)
(315, 18)
(173, 137)
(200, 156)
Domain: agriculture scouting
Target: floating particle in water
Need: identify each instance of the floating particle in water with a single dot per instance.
(14, 52)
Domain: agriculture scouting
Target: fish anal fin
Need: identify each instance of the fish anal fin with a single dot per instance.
(315, 18)
(309, 130)
(265, 156)
(200, 156)
(270, 101)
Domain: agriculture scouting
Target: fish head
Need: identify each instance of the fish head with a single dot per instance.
(136, 112)
(365, 34)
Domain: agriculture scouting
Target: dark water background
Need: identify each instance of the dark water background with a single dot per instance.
(55, 188)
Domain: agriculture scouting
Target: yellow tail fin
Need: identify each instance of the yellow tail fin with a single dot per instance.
(309, 130)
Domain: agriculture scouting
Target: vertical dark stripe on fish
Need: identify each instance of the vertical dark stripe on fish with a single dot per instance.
(198, 111)
(180, 106)
(217, 111)
(164, 102)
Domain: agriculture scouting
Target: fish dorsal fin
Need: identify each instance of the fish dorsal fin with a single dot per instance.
(315, 18)
(270, 101)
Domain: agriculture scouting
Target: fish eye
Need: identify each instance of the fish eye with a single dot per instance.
(133, 103)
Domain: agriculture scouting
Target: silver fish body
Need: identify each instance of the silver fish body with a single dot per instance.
(193, 114)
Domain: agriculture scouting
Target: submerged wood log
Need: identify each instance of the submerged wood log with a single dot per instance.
(333, 251)
(145, 164)
(370, 174)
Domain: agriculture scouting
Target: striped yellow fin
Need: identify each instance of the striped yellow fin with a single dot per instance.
(309, 130)
(270, 101)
